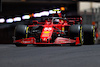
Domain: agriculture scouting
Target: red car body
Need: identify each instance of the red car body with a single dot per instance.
(48, 30)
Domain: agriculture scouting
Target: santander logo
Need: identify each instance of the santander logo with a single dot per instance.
(48, 28)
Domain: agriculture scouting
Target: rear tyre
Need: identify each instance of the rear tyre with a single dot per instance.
(89, 34)
(76, 31)
(21, 31)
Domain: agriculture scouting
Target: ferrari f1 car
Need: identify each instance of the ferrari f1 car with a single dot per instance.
(55, 30)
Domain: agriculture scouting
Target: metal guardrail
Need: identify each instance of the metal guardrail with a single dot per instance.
(94, 16)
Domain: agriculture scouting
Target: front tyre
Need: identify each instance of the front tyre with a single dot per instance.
(20, 32)
(76, 31)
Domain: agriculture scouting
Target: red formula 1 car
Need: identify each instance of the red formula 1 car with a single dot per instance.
(54, 30)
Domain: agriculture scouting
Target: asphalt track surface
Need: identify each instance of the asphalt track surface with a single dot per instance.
(50, 56)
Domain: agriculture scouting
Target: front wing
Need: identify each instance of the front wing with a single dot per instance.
(58, 40)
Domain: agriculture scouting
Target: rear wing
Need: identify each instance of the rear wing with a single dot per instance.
(75, 19)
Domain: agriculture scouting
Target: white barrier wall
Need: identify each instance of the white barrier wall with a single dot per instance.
(82, 6)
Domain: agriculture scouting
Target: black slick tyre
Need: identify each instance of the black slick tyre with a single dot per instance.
(21, 31)
(76, 31)
(89, 34)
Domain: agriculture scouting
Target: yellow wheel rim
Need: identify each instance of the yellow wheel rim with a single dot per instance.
(93, 34)
(27, 31)
(81, 35)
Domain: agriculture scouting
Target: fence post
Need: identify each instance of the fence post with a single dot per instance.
(93, 18)
(99, 22)
(99, 14)
(96, 14)
(84, 17)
